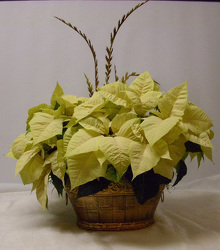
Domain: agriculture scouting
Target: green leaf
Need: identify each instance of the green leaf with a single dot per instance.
(92, 187)
(155, 128)
(174, 102)
(145, 186)
(115, 150)
(57, 105)
(58, 184)
(112, 174)
(44, 126)
(143, 83)
(181, 170)
(192, 147)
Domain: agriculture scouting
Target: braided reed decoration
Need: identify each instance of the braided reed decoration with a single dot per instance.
(83, 35)
(127, 76)
(109, 50)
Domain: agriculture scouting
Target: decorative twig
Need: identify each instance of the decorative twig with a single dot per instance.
(109, 49)
(156, 82)
(116, 77)
(90, 46)
(127, 76)
(90, 87)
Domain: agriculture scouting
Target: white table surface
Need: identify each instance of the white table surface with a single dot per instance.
(189, 218)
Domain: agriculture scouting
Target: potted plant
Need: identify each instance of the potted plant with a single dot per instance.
(122, 141)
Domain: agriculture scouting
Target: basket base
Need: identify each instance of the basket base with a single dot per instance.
(114, 209)
(115, 226)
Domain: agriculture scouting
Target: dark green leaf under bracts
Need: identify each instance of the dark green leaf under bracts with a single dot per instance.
(58, 184)
(57, 105)
(181, 170)
(147, 185)
(112, 174)
(92, 187)
(192, 147)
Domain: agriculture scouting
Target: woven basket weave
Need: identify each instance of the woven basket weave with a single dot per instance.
(114, 208)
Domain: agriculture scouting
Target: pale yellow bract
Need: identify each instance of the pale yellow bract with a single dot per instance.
(118, 125)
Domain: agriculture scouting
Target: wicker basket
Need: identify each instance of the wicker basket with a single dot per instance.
(113, 209)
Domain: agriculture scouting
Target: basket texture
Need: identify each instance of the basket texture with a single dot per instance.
(114, 208)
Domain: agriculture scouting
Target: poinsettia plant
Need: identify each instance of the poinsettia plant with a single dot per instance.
(121, 131)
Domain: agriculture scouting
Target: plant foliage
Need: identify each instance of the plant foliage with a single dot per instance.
(121, 131)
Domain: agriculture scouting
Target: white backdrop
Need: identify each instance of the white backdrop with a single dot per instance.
(174, 41)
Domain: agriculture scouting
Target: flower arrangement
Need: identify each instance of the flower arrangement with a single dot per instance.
(121, 131)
